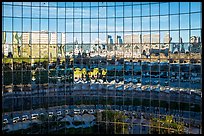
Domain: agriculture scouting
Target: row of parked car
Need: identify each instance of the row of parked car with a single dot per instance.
(35, 116)
(23, 118)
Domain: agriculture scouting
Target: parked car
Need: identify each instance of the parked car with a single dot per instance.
(5, 121)
(59, 113)
(76, 111)
(50, 114)
(24, 117)
(34, 116)
(16, 119)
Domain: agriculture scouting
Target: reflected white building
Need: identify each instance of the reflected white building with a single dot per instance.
(53, 38)
(7, 48)
(132, 38)
(40, 37)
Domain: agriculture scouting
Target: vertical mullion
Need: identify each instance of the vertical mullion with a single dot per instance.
(40, 44)
(48, 70)
(141, 43)
(150, 48)
(115, 46)
(133, 59)
(3, 43)
(114, 49)
(90, 46)
(73, 44)
(189, 29)
(57, 56)
(123, 54)
(65, 62)
(106, 56)
(81, 59)
(49, 39)
(158, 62)
(106, 60)
(98, 50)
(179, 43)
(12, 43)
(31, 42)
(190, 57)
(169, 105)
(22, 70)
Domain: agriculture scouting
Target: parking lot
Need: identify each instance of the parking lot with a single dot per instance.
(88, 113)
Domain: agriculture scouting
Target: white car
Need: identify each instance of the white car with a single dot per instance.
(144, 87)
(59, 113)
(76, 111)
(50, 114)
(16, 119)
(34, 116)
(5, 121)
(172, 89)
(24, 117)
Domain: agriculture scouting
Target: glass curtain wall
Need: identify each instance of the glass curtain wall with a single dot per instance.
(101, 67)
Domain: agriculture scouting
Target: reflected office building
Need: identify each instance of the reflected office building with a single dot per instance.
(101, 68)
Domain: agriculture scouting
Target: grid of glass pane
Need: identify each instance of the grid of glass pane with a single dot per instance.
(101, 67)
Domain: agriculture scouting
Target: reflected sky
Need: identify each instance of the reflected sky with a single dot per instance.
(102, 17)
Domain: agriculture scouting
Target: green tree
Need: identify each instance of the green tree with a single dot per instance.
(166, 126)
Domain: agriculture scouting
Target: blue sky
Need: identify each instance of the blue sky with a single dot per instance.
(32, 22)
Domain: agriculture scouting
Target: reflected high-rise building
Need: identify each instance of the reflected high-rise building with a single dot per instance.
(134, 38)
